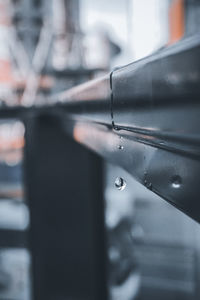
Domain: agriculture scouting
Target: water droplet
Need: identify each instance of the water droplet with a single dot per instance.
(148, 184)
(120, 147)
(120, 183)
(176, 181)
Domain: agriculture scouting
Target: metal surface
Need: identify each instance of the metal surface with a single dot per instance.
(154, 107)
(156, 104)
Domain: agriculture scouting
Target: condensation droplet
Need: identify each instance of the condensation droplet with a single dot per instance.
(120, 147)
(120, 183)
(176, 181)
(148, 184)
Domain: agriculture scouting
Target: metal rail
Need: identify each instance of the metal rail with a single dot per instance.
(147, 121)
(151, 108)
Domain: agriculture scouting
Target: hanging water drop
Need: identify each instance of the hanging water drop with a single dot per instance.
(120, 183)
(120, 147)
(176, 181)
(148, 184)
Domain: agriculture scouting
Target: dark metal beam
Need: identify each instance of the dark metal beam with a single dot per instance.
(64, 189)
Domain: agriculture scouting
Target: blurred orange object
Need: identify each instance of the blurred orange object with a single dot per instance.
(176, 21)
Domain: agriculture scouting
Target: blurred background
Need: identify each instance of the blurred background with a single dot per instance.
(48, 46)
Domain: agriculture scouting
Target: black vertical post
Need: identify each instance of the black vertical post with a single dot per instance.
(64, 189)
